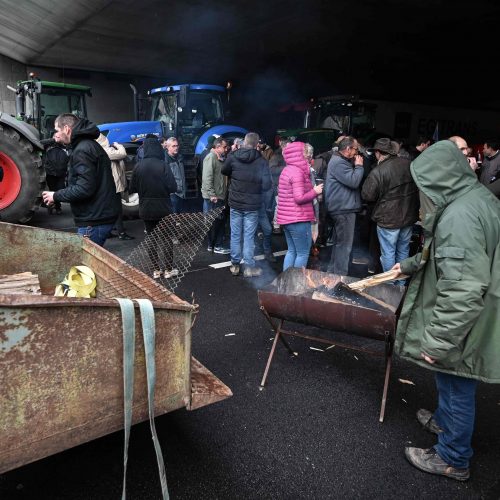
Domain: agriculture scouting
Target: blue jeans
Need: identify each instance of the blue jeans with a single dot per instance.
(243, 223)
(455, 415)
(343, 237)
(394, 245)
(177, 203)
(267, 230)
(218, 229)
(97, 234)
(299, 240)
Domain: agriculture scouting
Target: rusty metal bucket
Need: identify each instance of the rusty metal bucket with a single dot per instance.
(61, 358)
(290, 298)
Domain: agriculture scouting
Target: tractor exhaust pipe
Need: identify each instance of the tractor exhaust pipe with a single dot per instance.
(136, 102)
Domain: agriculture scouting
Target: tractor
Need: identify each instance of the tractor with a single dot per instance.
(191, 113)
(22, 177)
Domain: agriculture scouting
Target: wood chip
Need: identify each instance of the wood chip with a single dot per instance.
(229, 334)
(20, 283)
(404, 381)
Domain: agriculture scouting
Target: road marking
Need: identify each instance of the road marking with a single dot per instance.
(220, 265)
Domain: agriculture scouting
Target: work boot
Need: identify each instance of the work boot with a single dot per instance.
(270, 257)
(427, 421)
(252, 272)
(429, 461)
(235, 269)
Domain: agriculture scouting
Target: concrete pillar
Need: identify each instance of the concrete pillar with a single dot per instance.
(11, 72)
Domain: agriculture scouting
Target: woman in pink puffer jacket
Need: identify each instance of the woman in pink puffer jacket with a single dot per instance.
(295, 207)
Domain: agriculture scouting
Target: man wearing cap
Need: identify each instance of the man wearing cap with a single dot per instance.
(343, 200)
(390, 187)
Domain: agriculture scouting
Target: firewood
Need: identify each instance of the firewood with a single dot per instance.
(20, 283)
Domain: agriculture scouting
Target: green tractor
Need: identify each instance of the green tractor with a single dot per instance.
(321, 121)
(22, 177)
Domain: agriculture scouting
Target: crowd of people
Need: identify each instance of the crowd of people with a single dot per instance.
(449, 321)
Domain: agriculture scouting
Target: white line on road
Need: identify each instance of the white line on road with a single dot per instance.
(257, 257)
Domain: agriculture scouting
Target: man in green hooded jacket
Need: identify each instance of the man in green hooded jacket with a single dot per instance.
(449, 321)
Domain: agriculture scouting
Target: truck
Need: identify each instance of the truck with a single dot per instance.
(326, 118)
(22, 177)
(190, 112)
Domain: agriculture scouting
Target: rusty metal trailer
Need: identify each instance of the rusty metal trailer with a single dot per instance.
(61, 358)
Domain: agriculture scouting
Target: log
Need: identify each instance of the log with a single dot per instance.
(20, 283)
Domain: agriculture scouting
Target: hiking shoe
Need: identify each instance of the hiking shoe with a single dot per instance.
(235, 269)
(222, 250)
(252, 272)
(125, 236)
(157, 274)
(171, 273)
(270, 257)
(427, 421)
(429, 461)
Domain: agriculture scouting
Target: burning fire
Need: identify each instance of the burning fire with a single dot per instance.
(314, 280)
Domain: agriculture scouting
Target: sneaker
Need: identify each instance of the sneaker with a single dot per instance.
(222, 250)
(210, 249)
(170, 274)
(125, 236)
(427, 421)
(270, 257)
(157, 274)
(252, 272)
(429, 461)
(235, 269)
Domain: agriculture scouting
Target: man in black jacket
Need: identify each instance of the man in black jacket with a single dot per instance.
(91, 190)
(250, 179)
(394, 193)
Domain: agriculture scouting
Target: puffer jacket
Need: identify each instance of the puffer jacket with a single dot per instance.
(91, 191)
(250, 179)
(391, 187)
(153, 181)
(295, 191)
(451, 307)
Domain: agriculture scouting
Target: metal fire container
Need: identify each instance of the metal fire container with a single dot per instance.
(61, 358)
(290, 298)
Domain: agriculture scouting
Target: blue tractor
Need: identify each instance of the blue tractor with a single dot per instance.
(190, 112)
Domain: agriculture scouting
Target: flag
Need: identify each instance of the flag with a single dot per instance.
(435, 135)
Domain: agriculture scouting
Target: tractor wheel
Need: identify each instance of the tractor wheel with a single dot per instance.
(23, 177)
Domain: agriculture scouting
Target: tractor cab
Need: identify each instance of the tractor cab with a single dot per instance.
(39, 102)
(187, 109)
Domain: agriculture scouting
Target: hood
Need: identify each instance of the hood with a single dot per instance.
(103, 141)
(247, 155)
(294, 156)
(442, 173)
(84, 129)
(153, 149)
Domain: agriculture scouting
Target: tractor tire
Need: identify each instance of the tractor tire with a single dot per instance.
(23, 177)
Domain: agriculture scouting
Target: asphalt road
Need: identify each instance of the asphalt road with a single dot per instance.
(311, 433)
